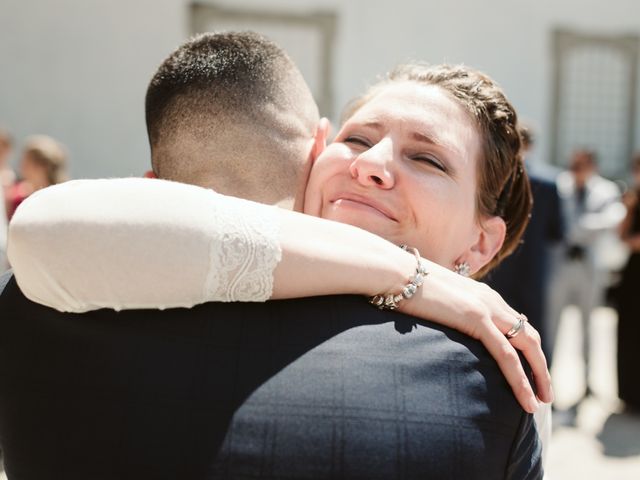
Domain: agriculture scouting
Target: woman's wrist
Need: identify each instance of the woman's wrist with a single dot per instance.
(391, 299)
(444, 298)
(336, 259)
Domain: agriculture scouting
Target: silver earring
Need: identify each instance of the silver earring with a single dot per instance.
(463, 269)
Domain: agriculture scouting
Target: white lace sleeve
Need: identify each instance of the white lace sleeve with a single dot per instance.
(141, 243)
(243, 252)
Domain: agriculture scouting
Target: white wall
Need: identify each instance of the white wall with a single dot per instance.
(78, 69)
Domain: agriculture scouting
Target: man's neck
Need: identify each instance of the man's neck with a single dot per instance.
(286, 203)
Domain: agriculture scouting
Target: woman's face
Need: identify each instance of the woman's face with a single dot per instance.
(404, 167)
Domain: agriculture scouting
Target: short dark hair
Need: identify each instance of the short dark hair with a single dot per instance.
(583, 157)
(224, 70)
(226, 107)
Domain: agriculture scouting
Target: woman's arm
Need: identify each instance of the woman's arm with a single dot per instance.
(140, 243)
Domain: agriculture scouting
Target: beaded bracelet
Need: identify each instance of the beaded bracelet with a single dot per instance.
(390, 301)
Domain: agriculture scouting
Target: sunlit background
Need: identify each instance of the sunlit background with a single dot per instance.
(78, 70)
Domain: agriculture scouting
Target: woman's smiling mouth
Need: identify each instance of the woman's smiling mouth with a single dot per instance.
(363, 204)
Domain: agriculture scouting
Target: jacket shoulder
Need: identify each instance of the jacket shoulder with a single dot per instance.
(4, 280)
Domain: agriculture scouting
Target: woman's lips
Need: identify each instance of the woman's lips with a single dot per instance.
(363, 204)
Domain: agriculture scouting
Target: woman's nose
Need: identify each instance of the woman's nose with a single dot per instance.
(373, 166)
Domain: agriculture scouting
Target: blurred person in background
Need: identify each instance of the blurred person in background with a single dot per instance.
(43, 163)
(3, 234)
(7, 178)
(7, 175)
(523, 278)
(592, 207)
(627, 299)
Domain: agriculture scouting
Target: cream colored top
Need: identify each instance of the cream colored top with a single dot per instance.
(120, 235)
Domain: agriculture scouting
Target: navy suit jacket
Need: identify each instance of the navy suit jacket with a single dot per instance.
(314, 388)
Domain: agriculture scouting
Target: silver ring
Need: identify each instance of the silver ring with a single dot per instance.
(515, 330)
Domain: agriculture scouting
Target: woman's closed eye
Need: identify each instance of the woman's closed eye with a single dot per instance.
(358, 140)
(431, 160)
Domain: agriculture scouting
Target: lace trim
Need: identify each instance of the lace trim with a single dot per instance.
(243, 252)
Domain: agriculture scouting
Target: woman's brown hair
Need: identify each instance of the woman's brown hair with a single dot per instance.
(503, 185)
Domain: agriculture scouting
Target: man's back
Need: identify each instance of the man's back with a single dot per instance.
(313, 388)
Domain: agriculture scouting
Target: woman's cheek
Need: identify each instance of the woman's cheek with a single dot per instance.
(312, 196)
(323, 169)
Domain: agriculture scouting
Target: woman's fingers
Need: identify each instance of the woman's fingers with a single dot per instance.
(509, 363)
(528, 342)
(477, 310)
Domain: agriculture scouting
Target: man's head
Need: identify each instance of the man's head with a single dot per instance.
(231, 111)
(44, 161)
(582, 166)
(527, 138)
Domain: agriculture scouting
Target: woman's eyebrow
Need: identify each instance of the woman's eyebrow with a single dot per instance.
(421, 137)
(435, 140)
(373, 124)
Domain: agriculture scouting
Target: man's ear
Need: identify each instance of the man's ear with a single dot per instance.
(319, 144)
(320, 138)
(491, 235)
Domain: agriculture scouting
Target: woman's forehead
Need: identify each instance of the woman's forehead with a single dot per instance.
(411, 101)
(421, 109)
(412, 91)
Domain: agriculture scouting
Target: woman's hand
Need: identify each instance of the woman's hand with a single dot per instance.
(475, 309)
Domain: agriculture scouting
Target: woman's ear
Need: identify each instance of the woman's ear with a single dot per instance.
(491, 235)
